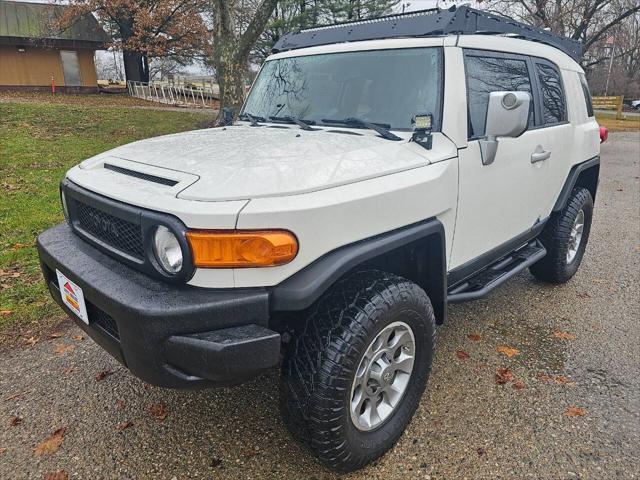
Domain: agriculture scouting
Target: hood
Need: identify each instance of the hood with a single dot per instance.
(243, 162)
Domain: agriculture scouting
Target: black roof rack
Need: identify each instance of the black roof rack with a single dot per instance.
(426, 23)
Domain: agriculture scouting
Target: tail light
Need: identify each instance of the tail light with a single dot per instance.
(604, 134)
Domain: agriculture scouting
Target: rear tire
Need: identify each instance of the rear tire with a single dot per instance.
(330, 353)
(565, 237)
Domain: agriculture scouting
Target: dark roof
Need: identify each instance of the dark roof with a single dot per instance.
(36, 22)
(426, 23)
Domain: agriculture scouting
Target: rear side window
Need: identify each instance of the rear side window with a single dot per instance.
(554, 105)
(587, 94)
(486, 74)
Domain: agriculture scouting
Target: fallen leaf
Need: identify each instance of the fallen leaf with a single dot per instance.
(68, 370)
(77, 338)
(59, 475)
(15, 421)
(508, 351)
(124, 425)
(503, 375)
(17, 246)
(250, 453)
(4, 313)
(518, 385)
(51, 444)
(55, 335)
(562, 380)
(462, 355)
(103, 374)
(216, 462)
(15, 395)
(62, 348)
(564, 335)
(544, 377)
(159, 410)
(474, 337)
(5, 273)
(2, 450)
(575, 412)
(583, 295)
(31, 341)
(480, 451)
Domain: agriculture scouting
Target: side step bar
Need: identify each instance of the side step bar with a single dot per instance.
(480, 284)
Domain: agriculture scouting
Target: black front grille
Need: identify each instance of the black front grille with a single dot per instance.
(115, 232)
(103, 320)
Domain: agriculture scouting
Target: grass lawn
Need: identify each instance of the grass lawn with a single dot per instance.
(629, 124)
(38, 143)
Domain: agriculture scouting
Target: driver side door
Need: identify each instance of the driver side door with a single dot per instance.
(500, 202)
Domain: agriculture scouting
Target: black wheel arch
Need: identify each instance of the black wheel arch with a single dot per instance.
(416, 252)
(586, 175)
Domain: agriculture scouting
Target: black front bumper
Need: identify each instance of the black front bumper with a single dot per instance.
(168, 335)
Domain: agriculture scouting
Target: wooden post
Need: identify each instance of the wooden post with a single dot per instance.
(619, 109)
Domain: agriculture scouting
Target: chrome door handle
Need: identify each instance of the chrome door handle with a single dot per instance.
(540, 155)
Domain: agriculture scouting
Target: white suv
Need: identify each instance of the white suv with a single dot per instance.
(379, 171)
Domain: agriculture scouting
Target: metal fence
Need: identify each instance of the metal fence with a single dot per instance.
(200, 95)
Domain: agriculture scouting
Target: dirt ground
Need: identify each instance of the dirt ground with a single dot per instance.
(572, 409)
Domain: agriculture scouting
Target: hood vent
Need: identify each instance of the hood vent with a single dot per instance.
(143, 176)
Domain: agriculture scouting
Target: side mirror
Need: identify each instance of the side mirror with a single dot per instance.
(507, 116)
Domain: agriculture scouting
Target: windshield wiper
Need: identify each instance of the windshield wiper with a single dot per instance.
(380, 128)
(303, 124)
(254, 119)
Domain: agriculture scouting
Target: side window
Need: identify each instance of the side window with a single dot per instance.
(554, 105)
(587, 94)
(486, 74)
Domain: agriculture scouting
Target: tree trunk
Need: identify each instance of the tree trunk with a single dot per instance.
(232, 87)
(231, 51)
(231, 71)
(134, 68)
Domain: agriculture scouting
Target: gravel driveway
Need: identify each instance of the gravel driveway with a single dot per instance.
(578, 353)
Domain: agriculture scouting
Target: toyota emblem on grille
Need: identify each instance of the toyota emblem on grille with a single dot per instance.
(102, 224)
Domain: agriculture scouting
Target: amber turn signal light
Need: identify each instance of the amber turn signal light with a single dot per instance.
(241, 248)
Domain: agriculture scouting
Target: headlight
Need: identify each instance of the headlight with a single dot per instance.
(167, 249)
(65, 209)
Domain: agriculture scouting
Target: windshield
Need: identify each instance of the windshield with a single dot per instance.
(382, 86)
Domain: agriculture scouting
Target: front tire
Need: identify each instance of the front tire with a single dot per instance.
(369, 332)
(565, 237)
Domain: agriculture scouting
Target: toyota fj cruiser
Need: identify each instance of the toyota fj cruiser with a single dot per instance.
(378, 171)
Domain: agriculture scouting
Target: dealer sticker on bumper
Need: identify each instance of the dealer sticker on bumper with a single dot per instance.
(72, 297)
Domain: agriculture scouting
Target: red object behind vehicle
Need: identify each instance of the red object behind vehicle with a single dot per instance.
(604, 134)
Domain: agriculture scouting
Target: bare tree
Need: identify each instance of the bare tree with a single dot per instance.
(236, 26)
(613, 64)
(588, 21)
